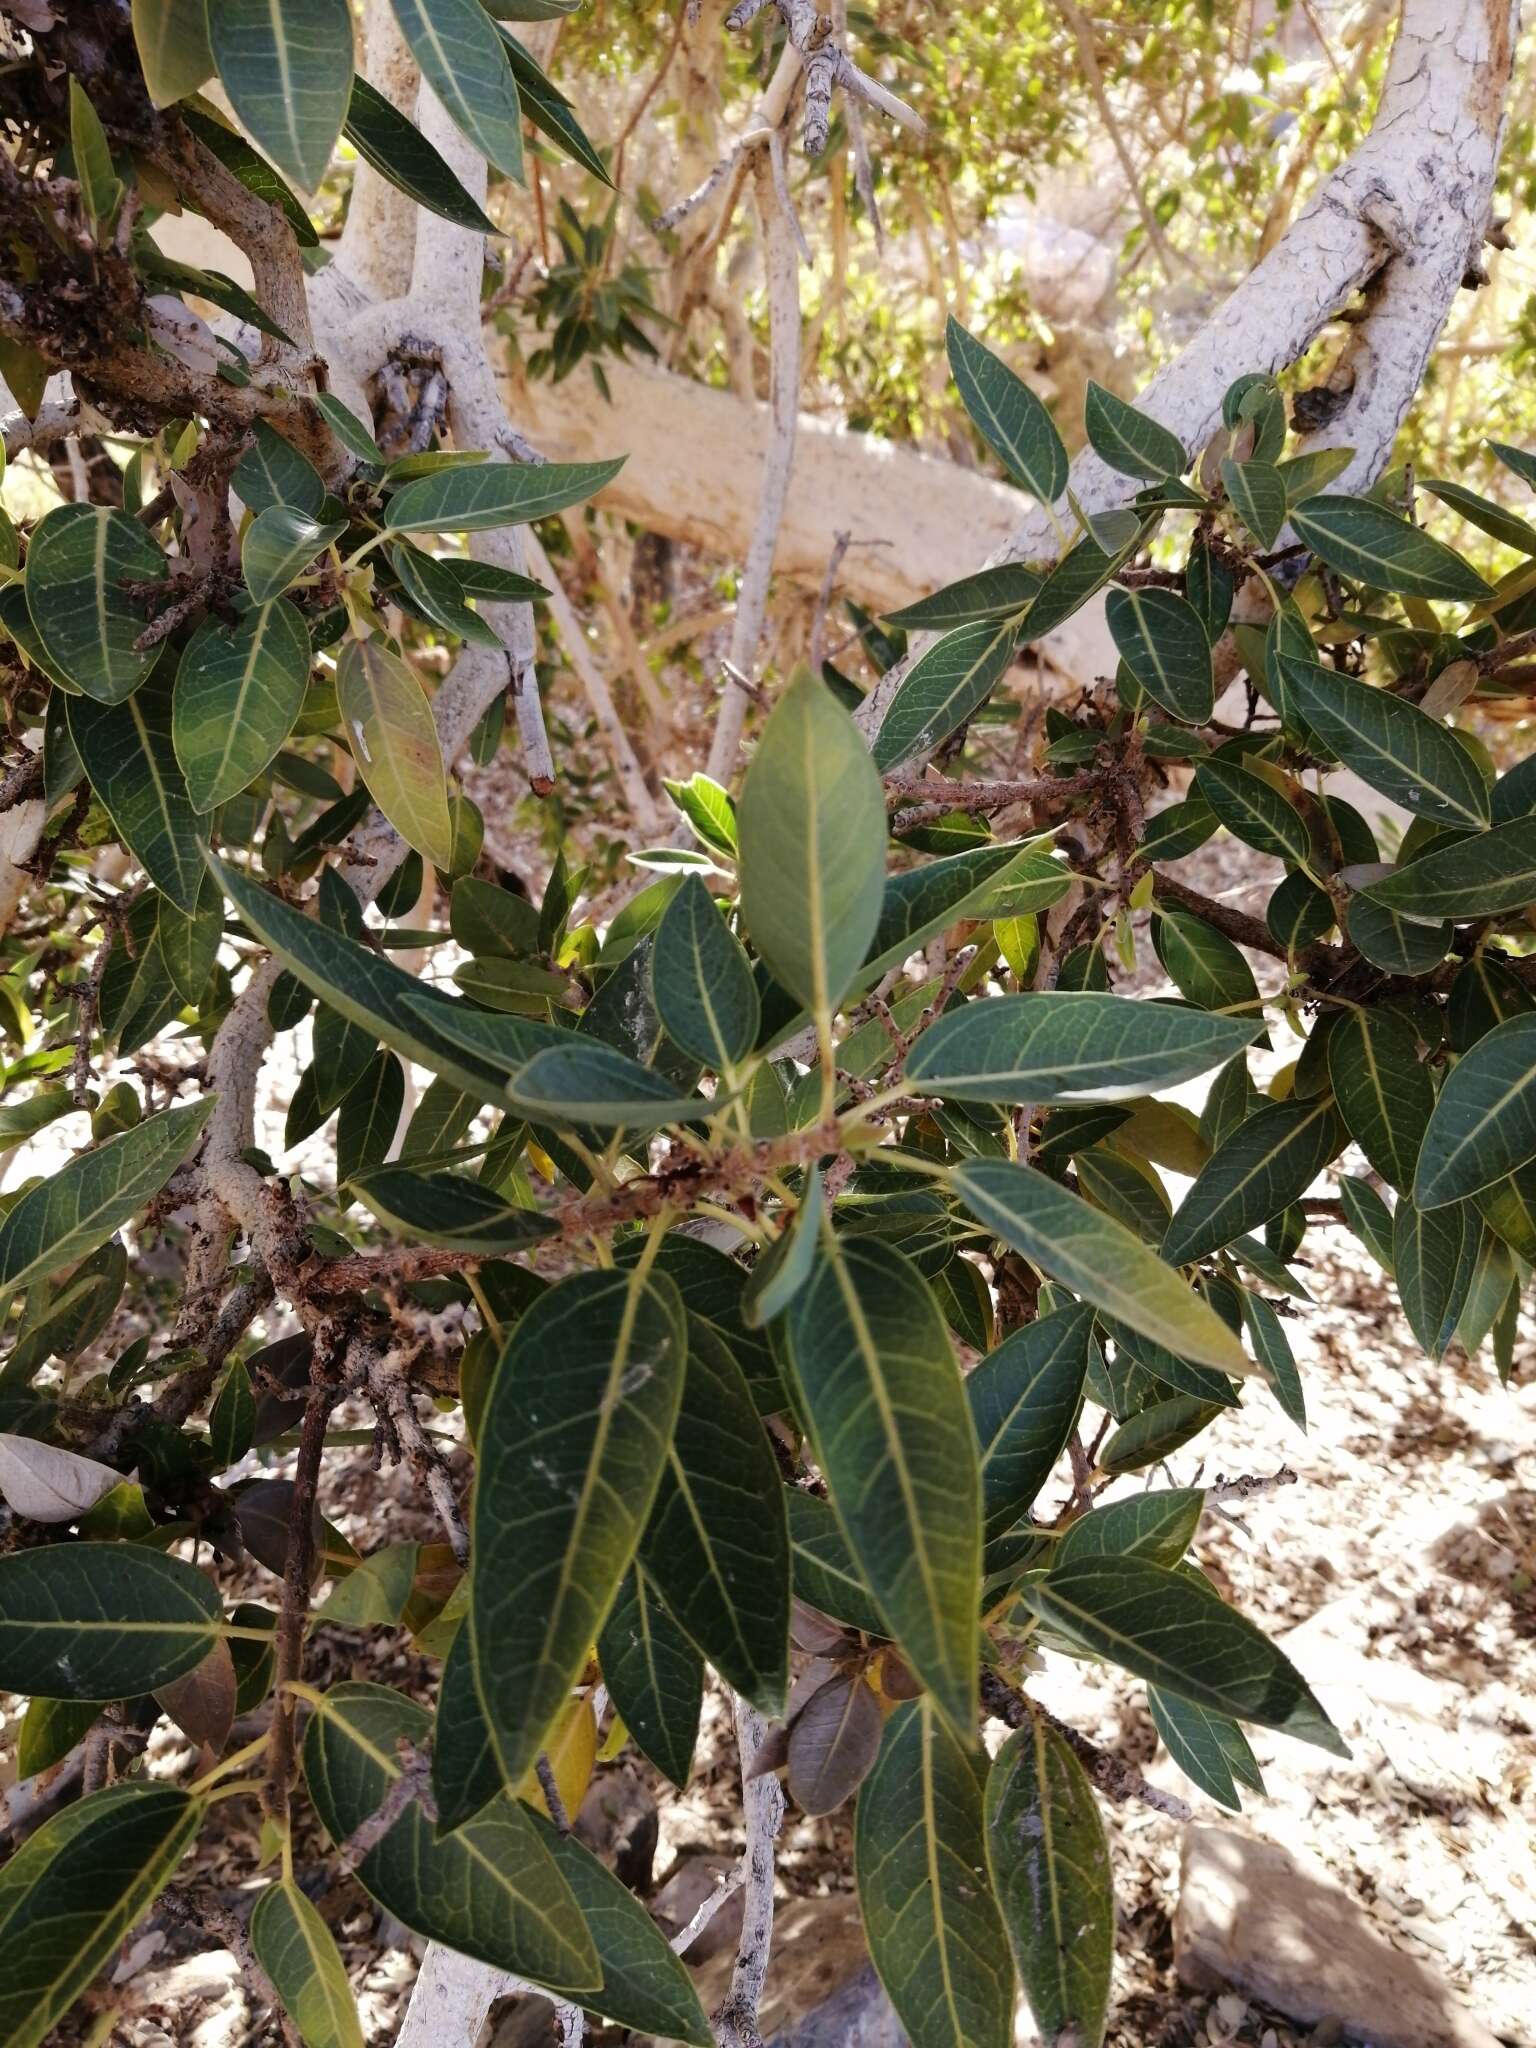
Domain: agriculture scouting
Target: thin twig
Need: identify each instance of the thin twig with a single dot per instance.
(1115, 1778)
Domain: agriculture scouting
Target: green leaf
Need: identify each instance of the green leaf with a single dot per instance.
(1494, 519)
(825, 1575)
(1012, 420)
(343, 423)
(128, 754)
(495, 493)
(920, 1861)
(702, 981)
(1486, 875)
(1069, 1046)
(451, 1210)
(550, 111)
(433, 592)
(232, 1419)
(1091, 1254)
(883, 1397)
(278, 545)
(1364, 541)
(1391, 745)
(717, 1544)
(273, 472)
(583, 1082)
(645, 1986)
(99, 187)
(1392, 942)
(396, 148)
(1012, 879)
(490, 1889)
(287, 68)
(370, 1117)
(950, 682)
(101, 1621)
(79, 561)
(1051, 1873)
(1269, 1161)
(1369, 1218)
(1164, 645)
(1128, 440)
(1272, 1349)
(1253, 810)
(1159, 1526)
(1257, 491)
(374, 1593)
(71, 1893)
(1198, 1743)
(1025, 1398)
(573, 1447)
(1175, 1631)
(470, 1048)
(172, 41)
(1202, 963)
(77, 1208)
(189, 946)
(1434, 1252)
(465, 62)
(237, 696)
(388, 720)
(1000, 593)
(296, 1949)
(215, 132)
(1155, 1433)
(654, 1676)
(812, 826)
(781, 1272)
(1484, 1123)
(1385, 1095)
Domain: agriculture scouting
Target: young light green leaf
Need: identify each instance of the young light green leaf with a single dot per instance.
(1384, 1093)
(171, 37)
(1174, 1630)
(495, 493)
(812, 827)
(950, 682)
(717, 1545)
(465, 62)
(1268, 1162)
(287, 68)
(1069, 1046)
(1390, 744)
(80, 560)
(389, 726)
(573, 1447)
(883, 1397)
(1128, 440)
(1093, 1255)
(1257, 491)
(1485, 875)
(1164, 645)
(236, 697)
(702, 981)
(490, 1889)
(1484, 1123)
(1051, 1873)
(298, 1952)
(77, 1208)
(1012, 420)
(654, 1676)
(72, 1892)
(101, 1621)
(396, 148)
(278, 545)
(1024, 1399)
(1372, 545)
(129, 755)
(920, 1861)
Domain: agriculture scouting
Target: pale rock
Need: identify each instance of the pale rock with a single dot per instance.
(1255, 1915)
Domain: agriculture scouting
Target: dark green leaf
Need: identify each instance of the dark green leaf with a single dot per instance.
(702, 980)
(494, 493)
(1128, 440)
(825, 1575)
(1011, 418)
(1392, 942)
(590, 1083)
(1000, 593)
(654, 1676)
(1484, 1123)
(1254, 810)
(1433, 1254)
(942, 690)
(278, 545)
(1372, 545)
(1268, 1162)
(1189, 1734)
(1024, 1399)
(1272, 1348)
(1257, 491)
(370, 1117)
(273, 472)
(1069, 1047)
(236, 698)
(935, 1935)
(287, 68)
(465, 62)
(1164, 645)
(128, 755)
(886, 1408)
(1050, 1870)
(79, 562)
(1159, 1526)
(573, 1446)
(396, 148)
(1202, 963)
(1392, 745)
(1175, 1631)
(1485, 875)
(451, 1210)
(97, 1621)
(1493, 519)
(71, 1894)
(1385, 1095)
